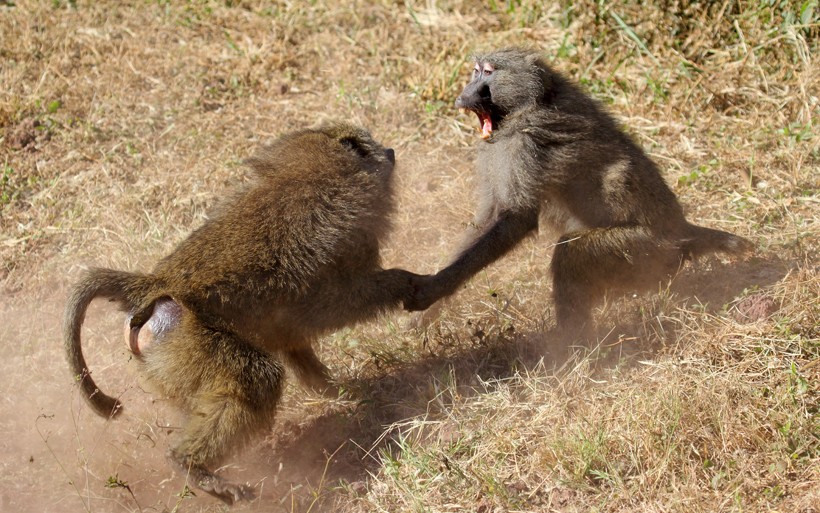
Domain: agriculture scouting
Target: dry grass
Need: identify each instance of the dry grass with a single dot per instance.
(121, 124)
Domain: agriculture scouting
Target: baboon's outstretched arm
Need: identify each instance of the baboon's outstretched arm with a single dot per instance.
(502, 236)
(387, 288)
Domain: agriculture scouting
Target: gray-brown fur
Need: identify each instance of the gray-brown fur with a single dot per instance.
(290, 256)
(554, 157)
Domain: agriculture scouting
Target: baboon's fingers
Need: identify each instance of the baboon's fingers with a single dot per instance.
(426, 291)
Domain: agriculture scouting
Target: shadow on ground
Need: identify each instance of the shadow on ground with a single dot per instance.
(343, 443)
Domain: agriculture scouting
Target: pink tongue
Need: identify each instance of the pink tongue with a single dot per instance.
(487, 128)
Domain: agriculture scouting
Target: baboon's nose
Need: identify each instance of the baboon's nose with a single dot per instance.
(391, 155)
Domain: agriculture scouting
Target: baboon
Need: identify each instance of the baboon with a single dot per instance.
(552, 156)
(287, 258)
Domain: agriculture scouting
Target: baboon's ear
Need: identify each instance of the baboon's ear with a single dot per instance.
(351, 143)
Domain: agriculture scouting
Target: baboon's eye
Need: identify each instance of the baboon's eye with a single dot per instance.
(488, 69)
(354, 144)
(476, 70)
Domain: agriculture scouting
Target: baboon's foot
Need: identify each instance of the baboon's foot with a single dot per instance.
(222, 489)
(569, 341)
(205, 480)
(320, 384)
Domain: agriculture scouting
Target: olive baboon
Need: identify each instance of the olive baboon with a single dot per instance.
(291, 256)
(552, 155)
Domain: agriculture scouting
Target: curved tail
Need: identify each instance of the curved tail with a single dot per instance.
(121, 286)
(701, 240)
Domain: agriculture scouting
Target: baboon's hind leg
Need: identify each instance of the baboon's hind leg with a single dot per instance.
(587, 263)
(235, 402)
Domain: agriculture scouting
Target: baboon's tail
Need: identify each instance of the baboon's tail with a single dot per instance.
(701, 240)
(123, 287)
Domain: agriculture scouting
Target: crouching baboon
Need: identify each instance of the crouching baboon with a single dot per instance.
(291, 256)
(551, 155)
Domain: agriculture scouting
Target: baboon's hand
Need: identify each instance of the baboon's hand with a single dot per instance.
(399, 283)
(426, 291)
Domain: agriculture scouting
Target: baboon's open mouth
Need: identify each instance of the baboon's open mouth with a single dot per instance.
(486, 124)
(488, 119)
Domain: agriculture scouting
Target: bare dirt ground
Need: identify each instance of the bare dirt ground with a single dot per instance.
(122, 123)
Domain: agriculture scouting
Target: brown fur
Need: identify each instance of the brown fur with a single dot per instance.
(554, 157)
(291, 256)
